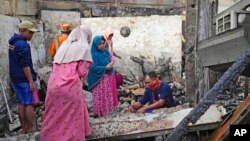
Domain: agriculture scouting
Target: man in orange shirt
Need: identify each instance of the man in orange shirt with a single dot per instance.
(65, 31)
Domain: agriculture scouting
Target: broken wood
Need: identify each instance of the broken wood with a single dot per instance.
(140, 62)
(6, 101)
(138, 92)
(125, 89)
(173, 73)
(128, 82)
(232, 73)
(135, 86)
(126, 99)
(222, 132)
(128, 79)
(135, 78)
(246, 87)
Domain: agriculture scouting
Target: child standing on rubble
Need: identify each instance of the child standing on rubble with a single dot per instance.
(66, 116)
(101, 79)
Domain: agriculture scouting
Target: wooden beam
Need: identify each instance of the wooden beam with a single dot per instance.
(223, 131)
(223, 83)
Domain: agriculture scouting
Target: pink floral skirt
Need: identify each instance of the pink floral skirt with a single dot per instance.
(105, 97)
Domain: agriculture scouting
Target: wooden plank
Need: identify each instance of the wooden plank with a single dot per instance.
(139, 91)
(211, 96)
(225, 127)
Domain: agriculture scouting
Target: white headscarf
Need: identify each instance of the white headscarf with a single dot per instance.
(76, 47)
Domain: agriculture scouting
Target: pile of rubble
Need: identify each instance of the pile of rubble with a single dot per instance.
(234, 95)
(132, 89)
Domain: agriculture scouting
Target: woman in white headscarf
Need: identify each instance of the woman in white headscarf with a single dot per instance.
(66, 116)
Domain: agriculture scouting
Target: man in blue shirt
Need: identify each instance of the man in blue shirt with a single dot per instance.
(22, 74)
(157, 95)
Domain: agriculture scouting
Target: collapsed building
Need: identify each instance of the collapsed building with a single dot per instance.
(182, 41)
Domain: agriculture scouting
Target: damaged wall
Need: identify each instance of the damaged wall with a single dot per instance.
(152, 37)
(45, 10)
(93, 8)
(116, 8)
(18, 7)
(205, 77)
(8, 27)
(36, 9)
(52, 20)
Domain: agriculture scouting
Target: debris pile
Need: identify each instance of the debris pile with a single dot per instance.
(132, 89)
(234, 95)
(160, 121)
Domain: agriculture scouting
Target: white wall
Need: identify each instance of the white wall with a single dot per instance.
(52, 20)
(8, 27)
(153, 36)
(224, 4)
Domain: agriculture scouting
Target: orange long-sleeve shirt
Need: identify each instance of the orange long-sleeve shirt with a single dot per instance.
(52, 48)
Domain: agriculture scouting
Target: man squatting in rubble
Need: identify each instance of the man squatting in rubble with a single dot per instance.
(157, 95)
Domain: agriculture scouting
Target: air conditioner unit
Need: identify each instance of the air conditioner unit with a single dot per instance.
(226, 22)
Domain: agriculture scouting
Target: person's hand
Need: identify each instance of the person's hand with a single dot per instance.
(109, 66)
(141, 110)
(32, 86)
(131, 109)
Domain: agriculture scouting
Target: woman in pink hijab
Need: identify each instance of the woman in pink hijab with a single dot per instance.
(66, 116)
(108, 35)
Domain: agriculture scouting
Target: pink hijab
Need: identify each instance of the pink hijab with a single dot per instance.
(106, 34)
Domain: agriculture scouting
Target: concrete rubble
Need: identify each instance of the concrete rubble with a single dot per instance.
(127, 124)
(22, 137)
(163, 119)
(122, 125)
